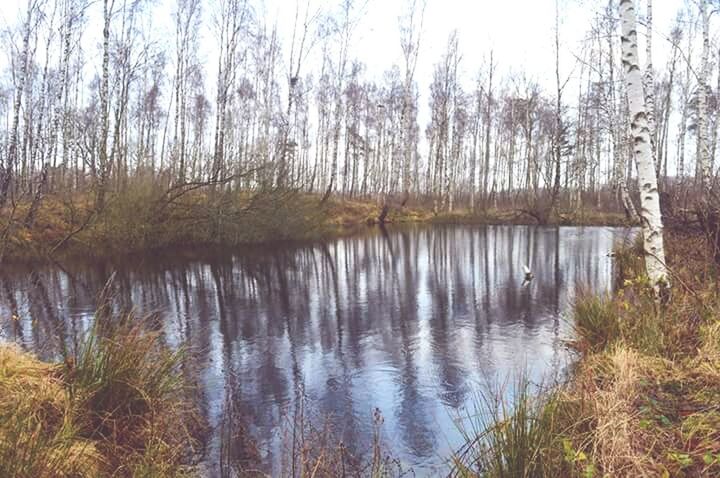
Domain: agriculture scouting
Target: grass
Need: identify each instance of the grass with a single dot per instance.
(506, 439)
(115, 408)
(37, 434)
(643, 400)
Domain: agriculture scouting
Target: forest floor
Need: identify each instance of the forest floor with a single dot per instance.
(143, 219)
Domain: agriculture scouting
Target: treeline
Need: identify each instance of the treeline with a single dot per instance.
(272, 109)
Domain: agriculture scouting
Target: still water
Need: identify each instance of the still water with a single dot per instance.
(415, 322)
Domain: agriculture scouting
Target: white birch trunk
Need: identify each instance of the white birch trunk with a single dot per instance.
(104, 162)
(616, 125)
(703, 150)
(649, 79)
(649, 198)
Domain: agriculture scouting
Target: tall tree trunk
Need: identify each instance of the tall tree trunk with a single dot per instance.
(716, 124)
(649, 81)
(661, 165)
(703, 151)
(649, 197)
(488, 129)
(104, 163)
(616, 131)
(558, 137)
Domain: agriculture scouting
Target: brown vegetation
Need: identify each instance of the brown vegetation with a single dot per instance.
(115, 408)
(145, 217)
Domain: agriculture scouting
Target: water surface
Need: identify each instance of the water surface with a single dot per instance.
(414, 322)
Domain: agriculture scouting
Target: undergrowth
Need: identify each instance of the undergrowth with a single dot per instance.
(146, 215)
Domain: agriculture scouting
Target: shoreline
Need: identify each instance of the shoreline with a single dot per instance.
(127, 236)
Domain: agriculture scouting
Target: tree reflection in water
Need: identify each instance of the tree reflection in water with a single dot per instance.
(412, 321)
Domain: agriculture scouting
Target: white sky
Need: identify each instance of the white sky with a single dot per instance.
(519, 31)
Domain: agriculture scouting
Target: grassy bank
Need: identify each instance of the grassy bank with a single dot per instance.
(144, 217)
(643, 400)
(115, 408)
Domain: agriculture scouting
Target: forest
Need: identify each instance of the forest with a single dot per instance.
(150, 124)
(209, 207)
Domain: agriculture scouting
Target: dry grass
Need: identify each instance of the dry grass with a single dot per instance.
(649, 381)
(115, 409)
(38, 437)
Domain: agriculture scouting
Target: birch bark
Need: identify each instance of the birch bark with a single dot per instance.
(703, 151)
(649, 80)
(649, 198)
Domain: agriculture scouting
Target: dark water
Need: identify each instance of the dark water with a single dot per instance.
(415, 322)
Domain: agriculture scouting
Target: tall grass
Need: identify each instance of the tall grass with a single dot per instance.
(507, 438)
(120, 376)
(37, 435)
(596, 321)
(115, 408)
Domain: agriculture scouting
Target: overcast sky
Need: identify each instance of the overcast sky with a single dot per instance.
(519, 31)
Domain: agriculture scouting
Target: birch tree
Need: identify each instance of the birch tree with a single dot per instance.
(410, 36)
(652, 224)
(231, 19)
(345, 33)
(615, 125)
(103, 160)
(649, 78)
(685, 83)
(703, 170)
(300, 46)
(186, 27)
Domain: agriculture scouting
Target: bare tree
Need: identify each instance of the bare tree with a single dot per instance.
(703, 169)
(345, 32)
(186, 28)
(231, 21)
(410, 36)
(6, 173)
(104, 164)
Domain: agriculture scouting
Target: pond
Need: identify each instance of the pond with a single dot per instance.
(415, 322)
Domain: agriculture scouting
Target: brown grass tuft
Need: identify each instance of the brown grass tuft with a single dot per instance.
(115, 409)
